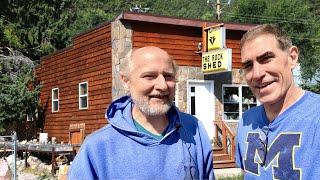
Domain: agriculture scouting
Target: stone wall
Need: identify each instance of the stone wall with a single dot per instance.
(185, 73)
(121, 39)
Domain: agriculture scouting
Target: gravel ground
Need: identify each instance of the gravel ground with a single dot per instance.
(31, 174)
(26, 176)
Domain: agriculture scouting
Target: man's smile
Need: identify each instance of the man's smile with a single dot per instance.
(263, 85)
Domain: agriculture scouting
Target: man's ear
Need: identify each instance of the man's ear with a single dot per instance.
(125, 81)
(293, 57)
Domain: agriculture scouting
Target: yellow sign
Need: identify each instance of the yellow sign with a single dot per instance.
(216, 38)
(217, 61)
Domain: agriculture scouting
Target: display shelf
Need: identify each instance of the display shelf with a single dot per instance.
(236, 100)
(230, 102)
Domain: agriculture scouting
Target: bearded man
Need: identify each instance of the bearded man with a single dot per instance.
(147, 136)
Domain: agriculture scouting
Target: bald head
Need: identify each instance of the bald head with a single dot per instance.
(143, 55)
(149, 51)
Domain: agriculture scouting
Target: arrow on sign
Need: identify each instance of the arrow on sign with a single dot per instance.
(212, 39)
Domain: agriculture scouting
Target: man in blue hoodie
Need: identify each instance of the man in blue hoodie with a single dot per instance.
(147, 136)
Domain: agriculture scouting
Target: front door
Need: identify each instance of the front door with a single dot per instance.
(201, 103)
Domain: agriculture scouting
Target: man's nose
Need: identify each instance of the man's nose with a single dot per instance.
(160, 83)
(257, 71)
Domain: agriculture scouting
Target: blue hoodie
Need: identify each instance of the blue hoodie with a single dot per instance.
(119, 151)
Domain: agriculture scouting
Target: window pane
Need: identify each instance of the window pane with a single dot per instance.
(55, 94)
(193, 105)
(231, 106)
(231, 116)
(231, 94)
(192, 89)
(83, 102)
(55, 106)
(83, 89)
(247, 95)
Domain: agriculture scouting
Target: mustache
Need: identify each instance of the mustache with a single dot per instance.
(159, 95)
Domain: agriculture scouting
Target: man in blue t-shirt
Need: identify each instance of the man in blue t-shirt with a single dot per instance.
(280, 138)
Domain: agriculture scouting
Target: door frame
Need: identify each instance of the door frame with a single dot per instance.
(211, 84)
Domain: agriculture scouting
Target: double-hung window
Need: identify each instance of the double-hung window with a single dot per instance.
(83, 95)
(55, 99)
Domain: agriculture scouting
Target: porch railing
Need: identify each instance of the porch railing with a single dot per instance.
(225, 139)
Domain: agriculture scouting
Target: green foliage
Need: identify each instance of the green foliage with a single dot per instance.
(247, 7)
(181, 8)
(18, 93)
(86, 18)
(10, 35)
(38, 28)
(312, 87)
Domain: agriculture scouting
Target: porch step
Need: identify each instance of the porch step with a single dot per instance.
(224, 164)
(217, 150)
(221, 157)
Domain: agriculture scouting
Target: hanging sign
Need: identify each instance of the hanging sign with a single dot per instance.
(216, 38)
(216, 61)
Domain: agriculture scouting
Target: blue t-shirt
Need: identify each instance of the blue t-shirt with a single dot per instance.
(286, 148)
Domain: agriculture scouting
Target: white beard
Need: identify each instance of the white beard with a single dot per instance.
(145, 107)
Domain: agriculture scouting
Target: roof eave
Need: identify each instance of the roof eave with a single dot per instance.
(143, 17)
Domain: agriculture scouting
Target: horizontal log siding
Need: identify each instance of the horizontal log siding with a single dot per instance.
(233, 41)
(180, 41)
(88, 60)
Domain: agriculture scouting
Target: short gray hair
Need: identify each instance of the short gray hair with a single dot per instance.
(284, 42)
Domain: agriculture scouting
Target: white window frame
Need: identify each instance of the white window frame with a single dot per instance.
(83, 95)
(239, 102)
(54, 100)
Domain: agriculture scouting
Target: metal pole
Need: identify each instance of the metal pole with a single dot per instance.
(14, 138)
(218, 8)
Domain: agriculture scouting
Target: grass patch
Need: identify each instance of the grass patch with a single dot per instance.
(237, 177)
